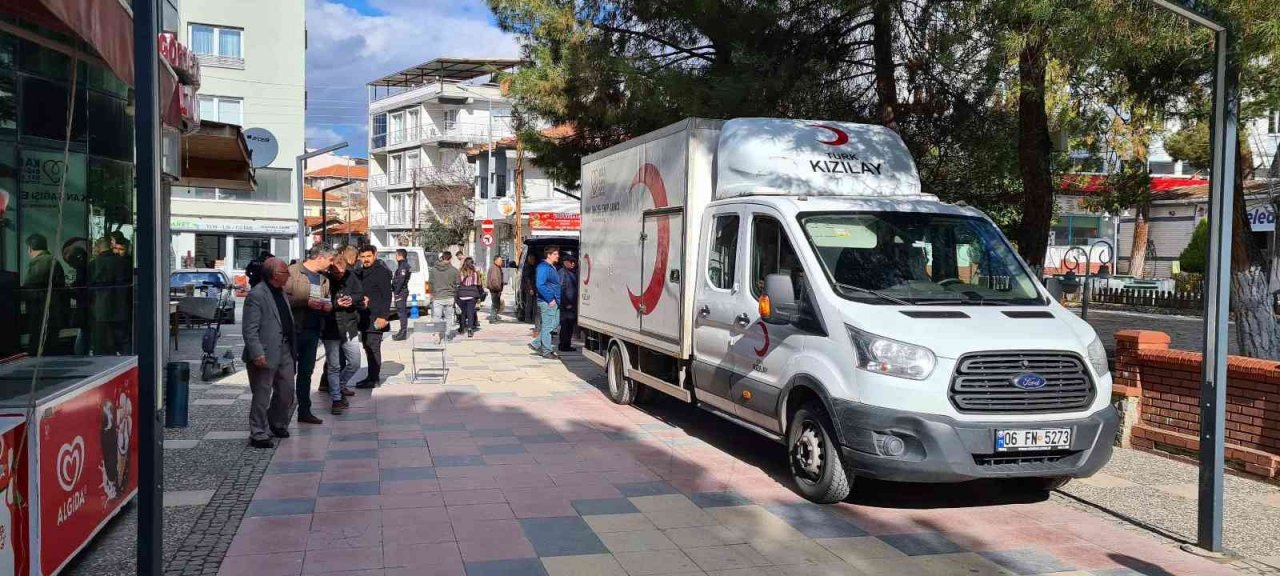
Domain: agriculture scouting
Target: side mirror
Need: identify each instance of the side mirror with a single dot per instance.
(778, 303)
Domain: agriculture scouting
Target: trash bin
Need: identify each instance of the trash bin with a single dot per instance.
(177, 380)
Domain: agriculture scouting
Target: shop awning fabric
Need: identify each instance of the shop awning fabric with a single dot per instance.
(216, 156)
(105, 25)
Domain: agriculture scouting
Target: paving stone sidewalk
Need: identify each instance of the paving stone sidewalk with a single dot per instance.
(518, 465)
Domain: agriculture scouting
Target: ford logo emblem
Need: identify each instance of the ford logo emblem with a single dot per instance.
(1029, 381)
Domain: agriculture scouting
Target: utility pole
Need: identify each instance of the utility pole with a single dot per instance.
(519, 196)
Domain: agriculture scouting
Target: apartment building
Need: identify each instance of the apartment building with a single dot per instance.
(253, 62)
(421, 121)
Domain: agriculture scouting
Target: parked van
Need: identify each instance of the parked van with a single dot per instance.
(790, 276)
(418, 263)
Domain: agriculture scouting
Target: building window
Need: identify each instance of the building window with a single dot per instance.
(222, 109)
(1159, 167)
(274, 185)
(379, 131)
(1273, 122)
(217, 45)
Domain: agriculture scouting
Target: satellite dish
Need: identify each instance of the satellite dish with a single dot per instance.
(263, 146)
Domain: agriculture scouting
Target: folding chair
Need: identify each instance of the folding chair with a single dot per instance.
(424, 343)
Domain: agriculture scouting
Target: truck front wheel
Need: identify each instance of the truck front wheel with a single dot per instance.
(814, 456)
(622, 390)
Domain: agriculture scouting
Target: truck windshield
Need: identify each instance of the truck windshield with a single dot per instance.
(918, 258)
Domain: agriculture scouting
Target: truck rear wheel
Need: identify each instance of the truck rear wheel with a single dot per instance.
(622, 390)
(814, 456)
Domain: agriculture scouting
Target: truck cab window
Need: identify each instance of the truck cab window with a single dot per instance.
(724, 252)
(771, 253)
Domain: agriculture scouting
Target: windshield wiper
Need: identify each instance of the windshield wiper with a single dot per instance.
(975, 301)
(879, 295)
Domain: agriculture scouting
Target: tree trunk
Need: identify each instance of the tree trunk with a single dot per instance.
(1035, 150)
(885, 70)
(1251, 300)
(1138, 251)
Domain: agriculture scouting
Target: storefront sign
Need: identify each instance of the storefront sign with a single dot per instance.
(88, 464)
(272, 227)
(555, 221)
(40, 187)
(506, 207)
(182, 60)
(14, 549)
(1262, 217)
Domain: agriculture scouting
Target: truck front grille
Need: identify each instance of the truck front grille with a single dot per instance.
(983, 383)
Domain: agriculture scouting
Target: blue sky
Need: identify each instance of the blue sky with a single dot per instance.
(352, 42)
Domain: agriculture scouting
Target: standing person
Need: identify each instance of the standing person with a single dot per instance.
(254, 270)
(269, 341)
(308, 290)
(494, 282)
(442, 282)
(347, 253)
(375, 279)
(341, 333)
(457, 260)
(108, 307)
(122, 331)
(568, 303)
(44, 280)
(468, 295)
(400, 291)
(528, 292)
(547, 283)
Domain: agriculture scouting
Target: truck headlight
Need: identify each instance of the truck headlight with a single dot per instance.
(1098, 357)
(885, 356)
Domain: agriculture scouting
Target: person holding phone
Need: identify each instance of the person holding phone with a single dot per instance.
(341, 333)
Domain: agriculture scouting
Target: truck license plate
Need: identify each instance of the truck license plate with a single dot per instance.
(1017, 440)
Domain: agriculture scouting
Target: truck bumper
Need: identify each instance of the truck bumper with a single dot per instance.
(942, 449)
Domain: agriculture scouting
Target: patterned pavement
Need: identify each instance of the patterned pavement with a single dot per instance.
(519, 465)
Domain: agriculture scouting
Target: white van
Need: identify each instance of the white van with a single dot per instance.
(791, 277)
(418, 263)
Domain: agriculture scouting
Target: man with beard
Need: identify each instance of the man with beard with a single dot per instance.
(341, 334)
(375, 278)
(45, 280)
(308, 291)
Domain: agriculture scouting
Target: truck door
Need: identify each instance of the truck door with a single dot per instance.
(718, 300)
(658, 299)
(761, 355)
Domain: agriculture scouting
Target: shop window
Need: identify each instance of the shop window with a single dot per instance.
(110, 127)
(246, 249)
(44, 111)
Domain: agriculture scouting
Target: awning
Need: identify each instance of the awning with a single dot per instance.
(105, 25)
(216, 156)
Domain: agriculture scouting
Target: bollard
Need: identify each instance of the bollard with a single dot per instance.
(413, 307)
(177, 378)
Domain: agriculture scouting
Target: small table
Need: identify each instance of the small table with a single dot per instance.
(173, 322)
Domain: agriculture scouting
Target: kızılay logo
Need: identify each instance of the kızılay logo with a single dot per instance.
(839, 137)
(651, 178)
(70, 463)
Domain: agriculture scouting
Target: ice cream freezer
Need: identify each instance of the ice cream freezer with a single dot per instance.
(68, 456)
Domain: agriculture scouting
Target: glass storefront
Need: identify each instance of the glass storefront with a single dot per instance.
(66, 203)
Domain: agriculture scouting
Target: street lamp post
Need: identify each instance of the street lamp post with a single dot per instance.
(300, 166)
(1213, 383)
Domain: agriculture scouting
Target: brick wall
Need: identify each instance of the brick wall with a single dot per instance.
(1165, 386)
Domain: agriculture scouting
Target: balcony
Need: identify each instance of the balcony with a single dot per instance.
(425, 176)
(446, 133)
(397, 220)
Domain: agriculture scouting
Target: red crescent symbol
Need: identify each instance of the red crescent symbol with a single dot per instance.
(586, 279)
(765, 350)
(841, 137)
(647, 301)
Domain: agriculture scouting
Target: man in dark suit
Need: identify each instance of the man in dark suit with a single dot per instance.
(375, 278)
(269, 354)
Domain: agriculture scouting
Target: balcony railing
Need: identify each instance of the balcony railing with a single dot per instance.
(425, 176)
(457, 132)
(397, 219)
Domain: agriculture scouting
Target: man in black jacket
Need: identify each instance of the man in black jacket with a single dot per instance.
(400, 291)
(341, 333)
(375, 279)
(568, 303)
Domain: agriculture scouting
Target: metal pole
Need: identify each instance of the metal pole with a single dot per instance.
(1213, 386)
(298, 167)
(152, 241)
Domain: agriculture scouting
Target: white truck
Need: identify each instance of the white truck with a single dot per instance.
(790, 276)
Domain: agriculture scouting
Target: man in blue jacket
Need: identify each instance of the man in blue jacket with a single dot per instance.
(547, 286)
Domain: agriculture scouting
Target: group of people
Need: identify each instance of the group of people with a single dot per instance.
(457, 288)
(555, 291)
(341, 300)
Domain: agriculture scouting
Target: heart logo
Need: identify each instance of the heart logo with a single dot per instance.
(70, 463)
(52, 170)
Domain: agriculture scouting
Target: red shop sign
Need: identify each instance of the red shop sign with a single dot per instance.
(555, 221)
(183, 61)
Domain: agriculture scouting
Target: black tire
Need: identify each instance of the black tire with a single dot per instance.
(814, 456)
(622, 390)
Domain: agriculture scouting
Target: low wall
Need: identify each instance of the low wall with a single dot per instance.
(1158, 390)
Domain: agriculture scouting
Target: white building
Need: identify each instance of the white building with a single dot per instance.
(253, 73)
(421, 120)
(545, 209)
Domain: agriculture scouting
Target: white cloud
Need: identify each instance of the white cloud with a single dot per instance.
(318, 136)
(347, 49)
